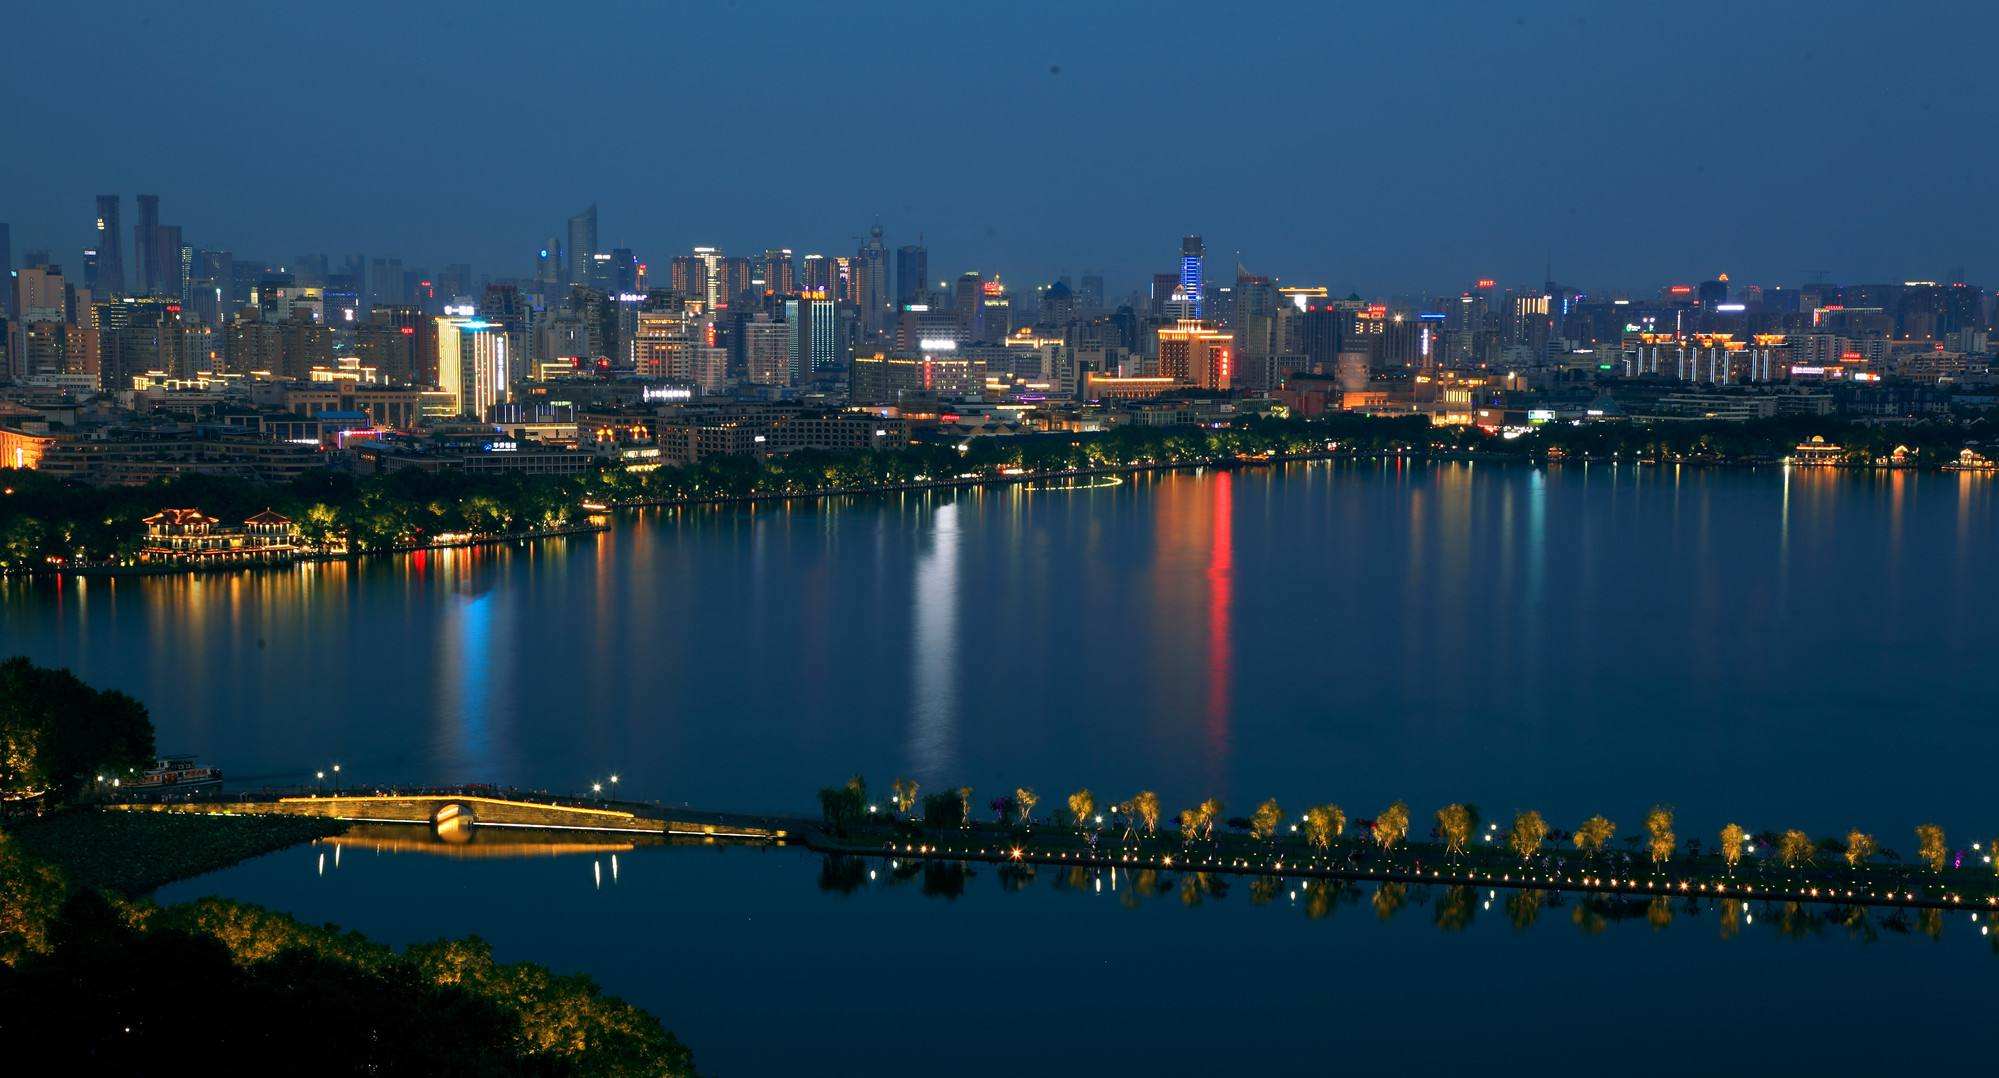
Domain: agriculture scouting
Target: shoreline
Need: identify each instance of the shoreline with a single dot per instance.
(1022, 479)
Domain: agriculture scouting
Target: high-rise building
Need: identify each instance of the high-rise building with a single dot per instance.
(818, 274)
(780, 273)
(816, 346)
(1193, 288)
(912, 274)
(146, 247)
(582, 244)
(6, 269)
(1090, 293)
(767, 351)
(473, 365)
(872, 287)
(548, 267)
(1198, 354)
(391, 339)
(110, 249)
(966, 298)
(660, 344)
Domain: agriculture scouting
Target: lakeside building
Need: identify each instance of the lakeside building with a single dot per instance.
(192, 537)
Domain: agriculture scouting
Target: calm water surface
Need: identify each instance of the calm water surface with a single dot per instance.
(762, 970)
(1798, 648)
(1786, 649)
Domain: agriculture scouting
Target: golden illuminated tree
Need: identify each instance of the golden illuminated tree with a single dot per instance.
(1529, 831)
(1930, 848)
(1795, 849)
(1454, 822)
(1594, 834)
(1211, 810)
(1082, 808)
(1024, 799)
(1733, 839)
(1263, 822)
(965, 806)
(1323, 824)
(1190, 824)
(903, 793)
(1145, 806)
(1391, 825)
(1659, 833)
(1859, 847)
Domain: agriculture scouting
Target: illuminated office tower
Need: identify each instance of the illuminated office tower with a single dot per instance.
(1192, 289)
(780, 274)
(767, 351)
(110, 249)
(709, 287)
(912, 274)
(995, 311)
(660, 344)
(738, 277)
(472, 365)
(815, 344)
(1197, 354)
(548, 266)
(818, 274)
(582, 244)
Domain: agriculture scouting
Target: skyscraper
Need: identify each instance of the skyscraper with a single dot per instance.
(582, 244)
(110, 248)
(1192, 288)
(912, 273)
(814, 318)
(146, 247)
(780, 274)
(6, 269)
(871, 285)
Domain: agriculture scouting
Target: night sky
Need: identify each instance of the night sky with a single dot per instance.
(1383, 148)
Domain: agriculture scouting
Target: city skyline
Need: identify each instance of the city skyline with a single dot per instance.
(1405, 149)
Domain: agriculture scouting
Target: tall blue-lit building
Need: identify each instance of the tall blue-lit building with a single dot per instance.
(1192, 253)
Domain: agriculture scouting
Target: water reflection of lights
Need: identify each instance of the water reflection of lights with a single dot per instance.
(1096, 483)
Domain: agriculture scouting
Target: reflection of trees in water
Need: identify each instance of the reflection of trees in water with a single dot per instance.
(1455, 906)
(945, 879)
(1456, 909)
(842, 875)
(1389, 898)
(1015, 878)
(1523, 908)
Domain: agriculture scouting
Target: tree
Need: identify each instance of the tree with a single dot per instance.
(57, 733)
(1082, 807)
(1454, 822)
(1659, 833)
(1593, 835)
(1026, 799)
(1145, 808)
(1795, 849)
(1263, 822)
(1190, 825)
(843, 806)
(1323, 824)
(1930, 846)
(1860, 847)
(1391, 825)
(1733, 839)
(903, 792)
(965, 800)
(1529, 831)
(1210, 810)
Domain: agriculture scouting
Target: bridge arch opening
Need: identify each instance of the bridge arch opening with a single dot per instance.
(453, 821)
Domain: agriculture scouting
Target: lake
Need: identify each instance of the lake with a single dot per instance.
(1783, 648)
